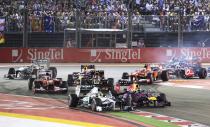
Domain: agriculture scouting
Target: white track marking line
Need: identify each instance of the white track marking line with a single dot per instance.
(174, 119)
(182, 86)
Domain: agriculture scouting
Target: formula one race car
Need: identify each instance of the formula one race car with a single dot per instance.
(141, 98)
(100, 99)
(186, 68)
(123, 85)
(20, 73)
(148, 98)
(26, 72)
(45, 83)
(87, 73)
(148, 74)
(88, 78)
(95, 100)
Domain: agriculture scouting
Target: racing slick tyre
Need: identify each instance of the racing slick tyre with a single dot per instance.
(95, 102)
(202, 73)
(165, 75)
(72, 100)
(142, 101)
(182, 74)
(110, 82)
(54, 71)
(101, 73)
(64, 85)
(178, 74)
(18, 73)
(150, 78)
(30, 83)
(163, 101)
(70, 80)
(37, 85)
(11, 72)
(125, 75)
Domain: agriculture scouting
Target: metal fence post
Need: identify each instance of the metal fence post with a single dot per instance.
(130, 4)
(180, 27)
(25, 25)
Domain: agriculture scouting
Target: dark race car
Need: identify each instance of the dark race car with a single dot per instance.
(123, 85)
(147, 98)
(139, 97)
(88, 78)
(87, 73)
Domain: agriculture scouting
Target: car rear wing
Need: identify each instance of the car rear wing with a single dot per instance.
(124, 82)
(86, 67)
(40, 62)
(41, 73)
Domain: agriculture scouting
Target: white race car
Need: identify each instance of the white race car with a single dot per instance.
(98, 99)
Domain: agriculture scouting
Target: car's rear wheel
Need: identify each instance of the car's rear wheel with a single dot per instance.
(125, 75)
(110, 83)
(150, 78)
(202, 73)
(11, 72)
(70, 80)
(182, 74)
(64, 85)
(165, 75)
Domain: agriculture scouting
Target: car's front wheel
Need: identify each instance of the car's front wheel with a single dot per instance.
(95, 102)
(72, 100)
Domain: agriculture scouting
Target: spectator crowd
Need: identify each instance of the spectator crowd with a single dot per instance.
(56, 15)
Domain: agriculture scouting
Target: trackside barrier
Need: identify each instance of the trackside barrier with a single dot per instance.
(75, 55)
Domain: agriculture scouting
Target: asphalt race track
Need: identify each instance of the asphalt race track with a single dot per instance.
(190, 98)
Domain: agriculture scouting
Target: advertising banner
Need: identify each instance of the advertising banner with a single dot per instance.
(124, 55)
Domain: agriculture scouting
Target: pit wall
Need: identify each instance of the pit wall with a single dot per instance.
(75, 55)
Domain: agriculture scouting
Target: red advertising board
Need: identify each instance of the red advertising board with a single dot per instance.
(75, 55)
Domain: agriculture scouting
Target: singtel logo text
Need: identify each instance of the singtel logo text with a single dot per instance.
(52, 54)
(117, 54)
(202, 53)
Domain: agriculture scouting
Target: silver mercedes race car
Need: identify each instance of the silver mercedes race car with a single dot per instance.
(26, 72)
(96, 100)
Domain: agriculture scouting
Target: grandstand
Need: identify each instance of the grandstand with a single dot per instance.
(159, 23)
